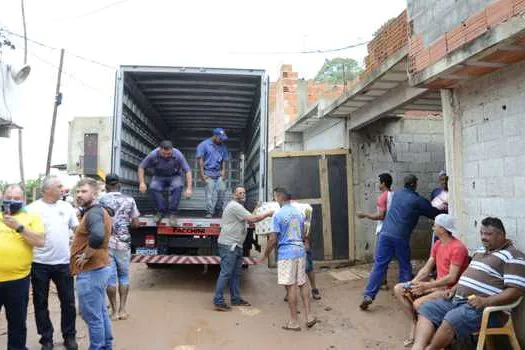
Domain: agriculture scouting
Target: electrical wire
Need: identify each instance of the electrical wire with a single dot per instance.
(92, 12)
(318, 51)
(90, 60)
(72, 76)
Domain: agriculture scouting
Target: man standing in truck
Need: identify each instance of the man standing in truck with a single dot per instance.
(213, 155)
(167, 164)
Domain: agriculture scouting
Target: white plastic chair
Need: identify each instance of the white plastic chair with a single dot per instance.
(507, 329)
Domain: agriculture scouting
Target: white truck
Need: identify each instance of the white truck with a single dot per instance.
(184, 105)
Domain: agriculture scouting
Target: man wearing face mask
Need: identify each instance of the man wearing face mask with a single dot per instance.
(19, 233)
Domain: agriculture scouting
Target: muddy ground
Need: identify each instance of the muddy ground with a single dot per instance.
(172, 309)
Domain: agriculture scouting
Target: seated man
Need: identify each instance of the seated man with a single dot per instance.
(450, 258)
(495, 276)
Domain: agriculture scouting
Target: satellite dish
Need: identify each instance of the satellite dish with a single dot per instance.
(20, 75)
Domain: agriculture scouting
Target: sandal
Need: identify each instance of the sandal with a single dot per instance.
(311, 322)
(291, 327)
(408, 342)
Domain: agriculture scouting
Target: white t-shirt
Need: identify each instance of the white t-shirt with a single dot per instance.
(59, 218)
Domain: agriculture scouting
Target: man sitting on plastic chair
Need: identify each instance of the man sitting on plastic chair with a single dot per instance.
(495, 276)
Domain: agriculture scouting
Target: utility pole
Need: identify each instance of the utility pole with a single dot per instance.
(58, 101)
(21, 160)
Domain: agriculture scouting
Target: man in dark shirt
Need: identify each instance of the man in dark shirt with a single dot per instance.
(394, 238)
(168, 165)
(90, 263)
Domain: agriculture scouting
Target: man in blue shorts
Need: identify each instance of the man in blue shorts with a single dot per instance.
(495, 276)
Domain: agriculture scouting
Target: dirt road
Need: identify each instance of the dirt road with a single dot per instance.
(172, 309)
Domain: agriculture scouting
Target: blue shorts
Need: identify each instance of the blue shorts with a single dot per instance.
(309, 262)
(465, 319)
(120, 260)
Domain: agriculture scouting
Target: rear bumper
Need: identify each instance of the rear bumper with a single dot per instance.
(183, 260)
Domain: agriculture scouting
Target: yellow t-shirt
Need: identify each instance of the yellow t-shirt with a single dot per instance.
(15, 254)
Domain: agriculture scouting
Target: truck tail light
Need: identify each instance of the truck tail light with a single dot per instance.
(150, 241)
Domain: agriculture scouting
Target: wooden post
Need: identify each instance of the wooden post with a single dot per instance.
(55, 110)
(325, 199)
(351, 207)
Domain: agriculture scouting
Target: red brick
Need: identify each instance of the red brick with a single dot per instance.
(518, 7)
(456, 38)
(475, 26)
(499, 11)
(438, 49)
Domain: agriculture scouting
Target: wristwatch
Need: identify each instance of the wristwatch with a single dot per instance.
(20, 228)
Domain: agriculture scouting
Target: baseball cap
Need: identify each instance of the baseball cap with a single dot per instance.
(448, 222)
(221, 133)
(112, 179)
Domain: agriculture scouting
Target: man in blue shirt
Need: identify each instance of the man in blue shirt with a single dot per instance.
(168, 165)
(394, 238)
(213, 155)
(287, 233)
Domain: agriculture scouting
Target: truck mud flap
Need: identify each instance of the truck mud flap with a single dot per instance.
(183, 260)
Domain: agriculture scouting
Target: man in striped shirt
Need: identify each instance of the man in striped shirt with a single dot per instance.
(495, 276)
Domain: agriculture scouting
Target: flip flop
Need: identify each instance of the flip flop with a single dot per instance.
(311, 322)
(408, 343)
(290, 327)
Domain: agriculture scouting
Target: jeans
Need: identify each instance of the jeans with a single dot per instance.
(231, 268)
(120, 260)
(174, 186)
(91, 289)
(214, 191)
(387, 248)
(14, 296)
(41, 275)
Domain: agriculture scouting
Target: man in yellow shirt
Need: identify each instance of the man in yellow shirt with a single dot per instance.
(19, 233)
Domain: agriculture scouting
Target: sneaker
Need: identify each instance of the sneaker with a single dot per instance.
(367, 301)
(70, 344)
(172, 220)
(222, 307)
(241, 303)
(208, 216)
(316, 294)
(47, 346)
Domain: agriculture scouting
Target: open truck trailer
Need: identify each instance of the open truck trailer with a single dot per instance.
(184, 105)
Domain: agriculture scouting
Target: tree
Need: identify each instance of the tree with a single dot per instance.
(338, 70)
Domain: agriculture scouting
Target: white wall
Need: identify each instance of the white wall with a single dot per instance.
(328, 134)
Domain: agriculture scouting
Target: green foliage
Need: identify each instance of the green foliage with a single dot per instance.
(338, 70)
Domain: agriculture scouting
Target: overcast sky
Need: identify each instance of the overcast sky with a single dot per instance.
(227, 33)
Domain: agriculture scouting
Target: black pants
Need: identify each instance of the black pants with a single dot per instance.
(14, 296)
(41, 274)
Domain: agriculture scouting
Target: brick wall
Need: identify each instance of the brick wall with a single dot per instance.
(441, 27)
(400, 147)
(392, 37)
(290, 97)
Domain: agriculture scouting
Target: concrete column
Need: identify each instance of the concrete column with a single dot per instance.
(454, 156)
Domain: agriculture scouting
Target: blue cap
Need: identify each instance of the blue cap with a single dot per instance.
(220, 132)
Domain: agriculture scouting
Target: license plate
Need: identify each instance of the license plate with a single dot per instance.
(146, 251)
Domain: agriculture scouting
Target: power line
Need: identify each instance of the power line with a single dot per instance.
(92, 12)
(71, 76)
(57, 49)
(318, 51)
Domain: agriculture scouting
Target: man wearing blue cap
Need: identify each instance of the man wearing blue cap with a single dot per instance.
(213, 155)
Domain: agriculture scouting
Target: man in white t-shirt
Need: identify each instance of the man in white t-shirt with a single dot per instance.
(51, 263)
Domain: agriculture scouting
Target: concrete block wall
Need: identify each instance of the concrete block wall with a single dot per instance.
(492, 112)
(328, 135)
(490, 137)
(438, 28)
(400, 147)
